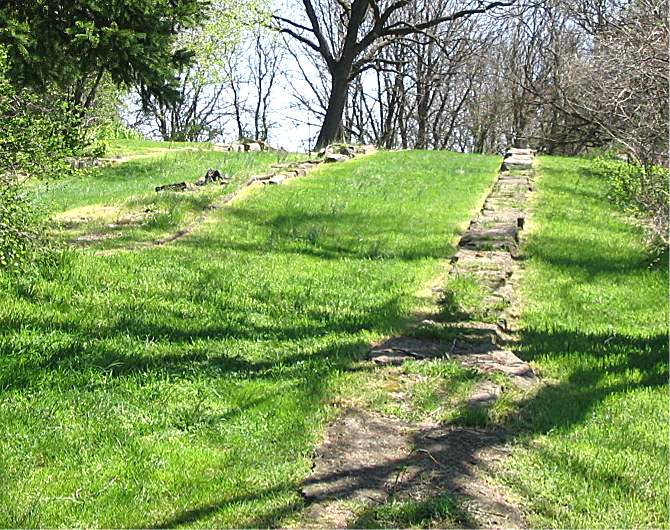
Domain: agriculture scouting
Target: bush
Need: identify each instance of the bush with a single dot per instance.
(641, 191)
(36, 139)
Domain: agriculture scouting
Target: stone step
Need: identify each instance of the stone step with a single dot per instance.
(490, 238)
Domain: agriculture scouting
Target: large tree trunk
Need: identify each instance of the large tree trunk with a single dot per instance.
(332, 122)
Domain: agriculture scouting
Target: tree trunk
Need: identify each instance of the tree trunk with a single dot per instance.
(332, 122)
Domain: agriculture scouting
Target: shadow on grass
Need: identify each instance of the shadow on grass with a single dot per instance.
(327, 235)
(562, 405)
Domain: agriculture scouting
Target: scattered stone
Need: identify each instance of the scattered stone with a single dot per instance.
(366, 149)
(277, 179)
(212, 175)
(490, 238)
(335, 157)
(484, 394)
(179, 186)
(370, 459)
(397, 350)
(521, 142)
(517, 162)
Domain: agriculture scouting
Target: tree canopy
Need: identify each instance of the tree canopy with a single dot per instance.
(72, 44)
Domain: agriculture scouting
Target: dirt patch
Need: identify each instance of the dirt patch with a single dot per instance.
(89, 225)
(87, 214)
(367, 458)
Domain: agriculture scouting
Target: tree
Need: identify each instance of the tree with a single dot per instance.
(349, 35)
(198, 113)
(70, 46)
(35, 141)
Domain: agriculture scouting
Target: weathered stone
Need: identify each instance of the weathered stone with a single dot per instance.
(335, 157)
(212, 175)
(398, 349)
(366, 149)
(517, 162)
(263, 178)
(521, 142)
(277, 179)
(253, 147)
(516, 151)
(484, 394)
(179, 186)
(489, 238)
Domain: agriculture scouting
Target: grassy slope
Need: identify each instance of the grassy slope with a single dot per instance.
(129, 189)
(116, 184)
(594, 324)
(188, 384)
(147, 147)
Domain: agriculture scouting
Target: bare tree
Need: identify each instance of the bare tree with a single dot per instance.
(349, 35)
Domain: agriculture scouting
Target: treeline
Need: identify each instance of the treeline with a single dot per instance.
(571, 76)
(567, 74)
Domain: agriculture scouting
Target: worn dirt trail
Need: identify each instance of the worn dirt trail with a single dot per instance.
(372, 459)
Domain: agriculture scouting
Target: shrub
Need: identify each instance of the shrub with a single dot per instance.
(36, 139)
(641, 191)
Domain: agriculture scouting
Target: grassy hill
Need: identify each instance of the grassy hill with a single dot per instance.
(189, 383)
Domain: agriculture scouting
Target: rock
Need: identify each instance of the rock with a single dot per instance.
(391, 356)
(212, 175)
(521, 142)
(266, 146)
(253, 147)
(335, 157)
(179, 186)
(222, 147)
(517, 162)
(277, 179)
(512, 151)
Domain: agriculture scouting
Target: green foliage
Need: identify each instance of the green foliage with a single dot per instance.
(17, 224)
(35, 141)
(641, 191)
(439, 512)
(71, 45)
(116, 206)
(464, 297)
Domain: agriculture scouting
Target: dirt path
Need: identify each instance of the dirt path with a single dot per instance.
(368, 459)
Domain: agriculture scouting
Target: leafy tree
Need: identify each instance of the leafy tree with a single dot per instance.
(71, 45)
(198, 111)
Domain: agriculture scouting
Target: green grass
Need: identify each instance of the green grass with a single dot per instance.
(145, 147)
(414, 391)
(595, 326)
(189, 384)
(137, 212)
(439, 512)
(464, 298)
(138, 178)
